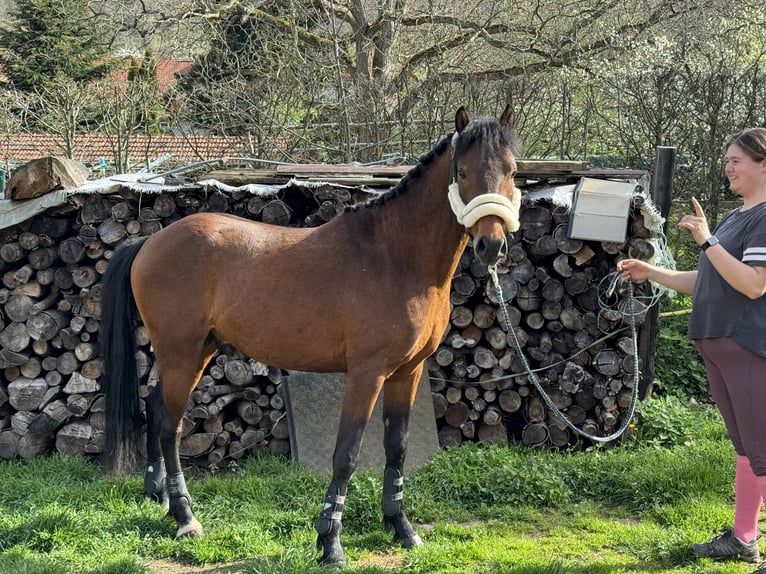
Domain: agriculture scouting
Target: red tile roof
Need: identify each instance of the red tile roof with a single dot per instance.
(90, 147)
(168, 71)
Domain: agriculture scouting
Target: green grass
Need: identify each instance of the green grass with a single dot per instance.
(631, 508)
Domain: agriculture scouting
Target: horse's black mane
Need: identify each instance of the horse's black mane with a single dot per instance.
(492, 135)
(414, 173)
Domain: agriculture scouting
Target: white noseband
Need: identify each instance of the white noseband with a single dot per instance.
(484, 205)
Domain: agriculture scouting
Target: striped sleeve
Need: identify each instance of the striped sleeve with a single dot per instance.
(754, 256)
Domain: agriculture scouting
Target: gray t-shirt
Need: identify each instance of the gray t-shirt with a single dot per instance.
(719, 310)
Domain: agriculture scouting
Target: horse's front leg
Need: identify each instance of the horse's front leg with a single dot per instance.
(358, 402)
(398, 397)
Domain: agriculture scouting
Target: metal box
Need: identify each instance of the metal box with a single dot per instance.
(600, 209)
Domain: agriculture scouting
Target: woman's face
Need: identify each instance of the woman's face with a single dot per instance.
(744, 173)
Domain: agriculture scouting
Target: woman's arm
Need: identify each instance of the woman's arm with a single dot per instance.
(637, 270)
(748, 280)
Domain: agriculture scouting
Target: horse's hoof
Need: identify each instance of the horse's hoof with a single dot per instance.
(336, 562)
(411, 542)
(332, 552)
(404, 533)
(191, 530)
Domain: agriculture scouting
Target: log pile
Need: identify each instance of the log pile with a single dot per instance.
(50, 297)
(51, 268)
(572, 333)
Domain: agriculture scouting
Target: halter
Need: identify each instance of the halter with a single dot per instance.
(482, 205)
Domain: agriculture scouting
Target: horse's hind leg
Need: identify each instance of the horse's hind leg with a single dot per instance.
(361, 392)
(155, 477)
(179, 498)
(398, 397)
(178, 377)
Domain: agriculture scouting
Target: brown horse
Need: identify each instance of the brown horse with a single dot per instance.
(366, 294)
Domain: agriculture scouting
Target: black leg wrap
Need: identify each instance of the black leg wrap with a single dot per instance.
(180, 507)
(332, 510)
(180, 499)
(393, 510)
(393, 492)
(177, 487)
(329, 526)
(154, 480)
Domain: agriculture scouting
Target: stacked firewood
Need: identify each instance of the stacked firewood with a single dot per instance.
(50, 298)
(571, 322)
(51, 268)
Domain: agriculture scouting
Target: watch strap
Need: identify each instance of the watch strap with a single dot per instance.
(712, 240)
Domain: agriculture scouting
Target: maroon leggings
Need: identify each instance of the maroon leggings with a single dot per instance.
(737, 380)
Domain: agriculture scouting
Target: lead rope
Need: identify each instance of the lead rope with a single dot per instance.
(536, 382)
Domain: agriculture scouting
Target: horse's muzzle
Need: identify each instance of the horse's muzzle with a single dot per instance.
(489, 251)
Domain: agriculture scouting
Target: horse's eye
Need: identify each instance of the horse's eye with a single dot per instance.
(461, 173)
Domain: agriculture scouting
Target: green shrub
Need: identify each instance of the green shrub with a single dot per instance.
(670, 421)
(664, 421)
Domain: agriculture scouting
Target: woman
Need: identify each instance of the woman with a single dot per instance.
(728, 326)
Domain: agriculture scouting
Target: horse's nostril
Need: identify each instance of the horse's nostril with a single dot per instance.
(489, 251)
(480, 247)
(503, 248)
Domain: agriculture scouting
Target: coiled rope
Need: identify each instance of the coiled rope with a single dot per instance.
(536, 381)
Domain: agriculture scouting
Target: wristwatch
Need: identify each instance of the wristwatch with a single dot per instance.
(712, 240)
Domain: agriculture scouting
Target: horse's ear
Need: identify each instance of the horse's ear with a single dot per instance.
(461, 119)
(508, 117)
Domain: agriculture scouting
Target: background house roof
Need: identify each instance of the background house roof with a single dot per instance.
(89, 148)
(168, 71)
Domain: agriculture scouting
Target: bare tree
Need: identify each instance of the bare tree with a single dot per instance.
(373, 69)
(123, 108)
(12, 106)
(725, 84)
(63, 108)
(342, 80)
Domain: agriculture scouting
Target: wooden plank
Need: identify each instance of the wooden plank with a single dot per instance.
(238, 177)
(343, 169)
(355, 181)
(611, 173)
(538, 166)
(386, 176)
(534, 166)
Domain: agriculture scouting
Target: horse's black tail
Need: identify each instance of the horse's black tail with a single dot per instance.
(119, 377)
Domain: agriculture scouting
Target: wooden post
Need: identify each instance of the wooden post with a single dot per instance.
(662, 181)
(662, 187)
